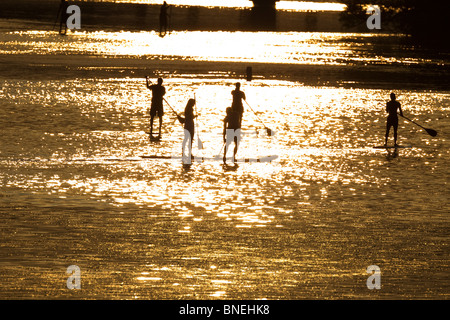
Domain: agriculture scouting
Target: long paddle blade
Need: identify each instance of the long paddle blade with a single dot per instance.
(269, 131)
(199, 143)
(431, 132)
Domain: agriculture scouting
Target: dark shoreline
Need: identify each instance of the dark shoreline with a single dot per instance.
(109, 16)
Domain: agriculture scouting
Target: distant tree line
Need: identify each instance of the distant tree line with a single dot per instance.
(425, 20)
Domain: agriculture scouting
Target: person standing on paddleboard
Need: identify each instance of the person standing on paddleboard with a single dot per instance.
(231, 132)
(237, 105)
(156, 109)
(392, 119)
(62, 12)
(189, 131)
(163, 19)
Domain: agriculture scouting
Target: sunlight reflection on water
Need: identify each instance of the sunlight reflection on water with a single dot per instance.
(316, 48)
(75, 188)
(281, 5)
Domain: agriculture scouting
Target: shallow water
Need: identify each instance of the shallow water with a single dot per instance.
(75, 190)
(311, 48)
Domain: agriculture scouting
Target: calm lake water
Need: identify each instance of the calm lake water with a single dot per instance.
(75, 190)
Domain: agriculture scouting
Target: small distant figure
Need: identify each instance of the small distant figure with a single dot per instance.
(163, 18)
(237, 105)
(62, 12)
(156, 109)
(231, 132)
(392, 119)
(189, 131)
(249, 73)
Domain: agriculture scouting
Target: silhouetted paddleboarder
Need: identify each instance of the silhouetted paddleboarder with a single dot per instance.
(156, 109)
(62, 13)
(392, 119)
(163, 18)
(189, 131)
(237, 105)
(231, 132)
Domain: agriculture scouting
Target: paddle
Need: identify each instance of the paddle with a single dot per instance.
(269, 131)
(431, 132)
(220, 150)
(199, 142)
(170, 107)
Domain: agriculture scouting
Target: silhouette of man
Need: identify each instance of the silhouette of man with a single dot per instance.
(156, 109)
(231, 132)
(64, 16)
(236, 105)
(392, 119)
(189, 131)
(163, 18)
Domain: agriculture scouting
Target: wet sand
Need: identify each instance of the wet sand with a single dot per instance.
(395, 77)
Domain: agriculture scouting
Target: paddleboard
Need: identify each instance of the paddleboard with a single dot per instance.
(219, 158)
(392, 147)
(153, 138)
